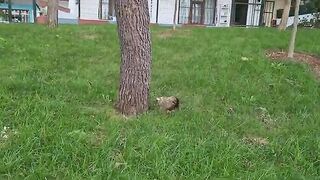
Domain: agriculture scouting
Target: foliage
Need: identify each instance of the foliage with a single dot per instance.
(2, 15)
(241, 115)
(311, 6)
(316, 5)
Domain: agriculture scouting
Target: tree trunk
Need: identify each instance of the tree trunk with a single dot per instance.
(285, 16)
(100, 10)
(34, 6)
(111, 8)
(53, 13)
(175, 14)
(10, 11)
(135, 71)
(294, 31)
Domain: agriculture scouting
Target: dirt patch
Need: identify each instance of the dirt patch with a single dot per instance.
(166, 34)
(312, 60)
(97, 138)
(264, 117)
(89, 36)
(171, 33)
(256, 140)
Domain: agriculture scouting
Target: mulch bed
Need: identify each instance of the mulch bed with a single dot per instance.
(312, 60)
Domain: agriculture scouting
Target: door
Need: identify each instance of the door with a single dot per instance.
(268, 13)
(196, 14)
(241, 12)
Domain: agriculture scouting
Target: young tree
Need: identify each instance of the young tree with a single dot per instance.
(53, 13)
(34, 7)
(111, 8)
(175, 14)
(135, 71)
(285, 15)
(100, 10)
(294, 31)
(10, 10)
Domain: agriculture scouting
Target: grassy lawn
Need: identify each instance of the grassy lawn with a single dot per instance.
(240, 117)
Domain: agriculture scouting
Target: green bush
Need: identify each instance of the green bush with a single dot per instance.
(317, 24)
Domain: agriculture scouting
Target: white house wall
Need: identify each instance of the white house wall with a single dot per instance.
(89, 9)
(73, 10)
(166, 11)
(302, 17)
(279, 4)
(153, 10)
(253, 15)
(223, 13)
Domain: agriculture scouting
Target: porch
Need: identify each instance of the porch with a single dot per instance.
(198, 12)
(22, 11)
(253, 13)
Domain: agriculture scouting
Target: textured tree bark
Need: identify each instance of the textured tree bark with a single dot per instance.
(285, 16)
(175, 14)
(53, 13)
(294, 31)
(135, 71)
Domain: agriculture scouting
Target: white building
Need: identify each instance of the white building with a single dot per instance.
(220, 13)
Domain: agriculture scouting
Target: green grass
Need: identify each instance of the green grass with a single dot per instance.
(58, 87)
